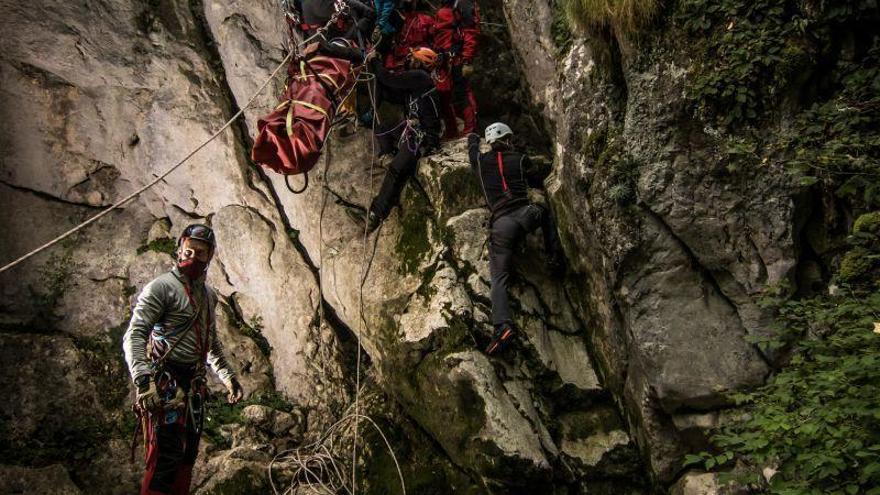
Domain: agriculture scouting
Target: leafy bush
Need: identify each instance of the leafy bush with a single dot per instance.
(837, 141)
(754, 49)
(559, 29)
(817, 421)
(165, 245)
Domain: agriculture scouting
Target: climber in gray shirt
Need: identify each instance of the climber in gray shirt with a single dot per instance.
(171, 337)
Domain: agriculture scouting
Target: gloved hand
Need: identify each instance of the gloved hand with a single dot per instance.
(147, 395)
(178, 401)
(236, 393)
(467, 70)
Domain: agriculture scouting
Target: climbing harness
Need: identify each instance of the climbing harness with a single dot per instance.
(193, 403)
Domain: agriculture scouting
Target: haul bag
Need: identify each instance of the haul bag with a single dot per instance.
(290, 139)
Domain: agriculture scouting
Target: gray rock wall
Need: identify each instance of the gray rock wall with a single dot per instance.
(97, 98)
(671, 251)
(621, 367)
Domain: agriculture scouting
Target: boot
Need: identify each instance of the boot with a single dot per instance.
(504, 333)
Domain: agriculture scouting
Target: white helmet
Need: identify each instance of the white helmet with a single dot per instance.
(497, 131)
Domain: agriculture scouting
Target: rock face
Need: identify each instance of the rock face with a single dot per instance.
(97, 99)
(671, 250)
(619, 370)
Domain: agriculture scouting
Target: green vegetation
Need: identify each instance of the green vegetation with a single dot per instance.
(219, 412)
(753, 50)
(165, 245)
(559, 29)
(816, 420)
(813, 66)
(415, 222)
(624, 174)
(837, 142)
(819, 61)
(254, 331)
(622, 16)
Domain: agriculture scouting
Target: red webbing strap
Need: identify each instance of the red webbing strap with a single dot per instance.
(501, 171)
(201, 344)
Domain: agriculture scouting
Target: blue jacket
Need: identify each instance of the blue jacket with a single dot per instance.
(384, 9)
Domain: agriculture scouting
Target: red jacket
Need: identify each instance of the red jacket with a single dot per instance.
(458, 30)
(417, 31)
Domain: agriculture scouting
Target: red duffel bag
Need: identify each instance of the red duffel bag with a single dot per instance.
(290, 139)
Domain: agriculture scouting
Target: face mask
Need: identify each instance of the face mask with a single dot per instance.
(192, 268)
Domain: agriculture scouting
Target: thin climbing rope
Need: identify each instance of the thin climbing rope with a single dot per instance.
(177, 165)
(317, 465)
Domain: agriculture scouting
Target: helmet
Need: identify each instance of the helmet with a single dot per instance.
(497, 131)
(424, 55)
(200, 232)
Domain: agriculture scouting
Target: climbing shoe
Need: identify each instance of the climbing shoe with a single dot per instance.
(504, 333)
(364, 218)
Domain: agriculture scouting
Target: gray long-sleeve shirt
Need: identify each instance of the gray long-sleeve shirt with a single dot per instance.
(163, 309)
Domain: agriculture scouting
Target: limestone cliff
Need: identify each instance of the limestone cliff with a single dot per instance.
(623, 365)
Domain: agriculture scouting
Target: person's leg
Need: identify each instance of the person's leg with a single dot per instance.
(469, 111)
(464, 102)
(535, 216)
(401, 168)
(183, 478)
(387, 136)
(164, 455)
(447, 111)
(504, 234)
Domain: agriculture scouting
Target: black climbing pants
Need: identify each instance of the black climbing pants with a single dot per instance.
(506, 234)
(402, 167)
(405, 147)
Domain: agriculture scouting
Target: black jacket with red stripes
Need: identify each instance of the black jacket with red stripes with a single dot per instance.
(504, 176)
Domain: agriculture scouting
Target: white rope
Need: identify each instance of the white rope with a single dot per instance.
(177, 165)
(317, 468)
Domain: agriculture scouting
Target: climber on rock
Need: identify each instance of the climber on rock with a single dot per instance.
(414, 30)
(456, 36)
(170, 339)
(417, 135)
(505, 176)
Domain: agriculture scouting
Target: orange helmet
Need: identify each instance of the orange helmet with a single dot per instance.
(424, 56)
